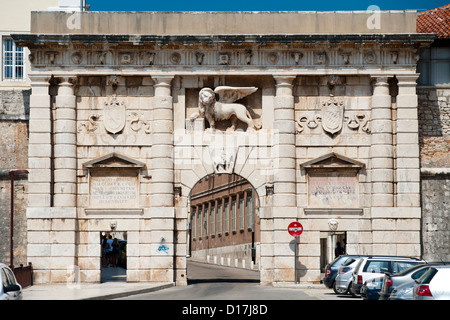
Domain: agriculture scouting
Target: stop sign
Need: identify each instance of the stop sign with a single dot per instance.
(295, 229)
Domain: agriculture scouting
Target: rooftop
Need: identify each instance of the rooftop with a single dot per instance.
(435, 21)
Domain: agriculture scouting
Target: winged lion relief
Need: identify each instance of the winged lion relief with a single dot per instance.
(224, 108)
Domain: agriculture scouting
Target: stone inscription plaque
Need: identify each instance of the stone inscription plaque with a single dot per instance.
(114, 189)
(333, 190)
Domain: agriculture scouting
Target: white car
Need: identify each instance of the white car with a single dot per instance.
(372, 267)
(433, 284)
(10, 289)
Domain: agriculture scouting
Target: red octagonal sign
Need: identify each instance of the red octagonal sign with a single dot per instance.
(295, 229)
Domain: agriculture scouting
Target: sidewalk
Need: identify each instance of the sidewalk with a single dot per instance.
(114, 285)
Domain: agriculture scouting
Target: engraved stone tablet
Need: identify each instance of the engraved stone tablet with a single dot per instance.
(113, 189)
(333, 190)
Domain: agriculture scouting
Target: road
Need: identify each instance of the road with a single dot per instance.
(213, 282)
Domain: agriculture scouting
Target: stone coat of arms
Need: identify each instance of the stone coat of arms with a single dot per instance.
(114, 115)
(332, 115)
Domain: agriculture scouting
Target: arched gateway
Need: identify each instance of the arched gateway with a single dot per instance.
(318, 111)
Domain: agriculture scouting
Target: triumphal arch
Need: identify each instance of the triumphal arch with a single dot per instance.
(128, 111)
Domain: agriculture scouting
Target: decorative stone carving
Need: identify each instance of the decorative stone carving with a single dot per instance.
(51, 56)
(76, 57)
(370, 57)
(113, 81)
(346, 56)
(199, 56)
(114, 115)
(356, 121)
(137, 123)
(333, 224)
(101, 57)
(224, 58)
(175, 58)
(320, 58)
(272, 57)
(297, 56)
(332, 115)
(91, 125)
(394, 56)
(248, 56)
(225, 109)
(148, 57)
(223, 163)
(126, 58)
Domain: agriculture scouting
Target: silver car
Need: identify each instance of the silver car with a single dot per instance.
(10, 289)
(403, 292)
(433, 284)
(344, 278)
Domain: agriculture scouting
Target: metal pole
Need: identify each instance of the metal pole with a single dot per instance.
(295, 261)
(11, 259)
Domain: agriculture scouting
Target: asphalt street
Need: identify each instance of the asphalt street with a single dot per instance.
(213, 282)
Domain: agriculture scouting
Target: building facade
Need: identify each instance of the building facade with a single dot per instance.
(224, 222)
(317, 111)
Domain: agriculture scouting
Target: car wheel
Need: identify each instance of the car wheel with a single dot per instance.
(337, 290)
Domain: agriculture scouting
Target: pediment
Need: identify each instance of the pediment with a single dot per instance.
(114, 160)
(332, 161)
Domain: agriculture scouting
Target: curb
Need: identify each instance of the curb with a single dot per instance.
(129, 293)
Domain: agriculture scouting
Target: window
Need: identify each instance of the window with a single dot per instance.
(226, 216)
(250, 212)
(377, 267)
(241, 213)
(434, 66)
(398, 266)
(206, 223)
(194, 225)
(213, 220)
(219, 218)
(13, 63)
(200, 227)
(233, 215)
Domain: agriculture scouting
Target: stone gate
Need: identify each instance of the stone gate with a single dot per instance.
(318, 111)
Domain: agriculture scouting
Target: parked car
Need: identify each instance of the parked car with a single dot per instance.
(332, 269)
(403, 292)
(343, 279)
(371, 267)
(392, 281)
(371, 288)
(433, 284)
(10, 289)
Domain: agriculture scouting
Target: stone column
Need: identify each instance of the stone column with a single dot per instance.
(284, 209)
(407, 174)
(381, 151)
(39, 147)
(163, 262)
(408, 154)
(65, 152)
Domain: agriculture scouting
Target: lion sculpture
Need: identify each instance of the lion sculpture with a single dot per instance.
(225, 108)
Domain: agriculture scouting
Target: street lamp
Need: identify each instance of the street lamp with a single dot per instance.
(12, 173)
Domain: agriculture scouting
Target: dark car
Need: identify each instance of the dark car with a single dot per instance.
(331, 270)
(370, 289)
(393, 281)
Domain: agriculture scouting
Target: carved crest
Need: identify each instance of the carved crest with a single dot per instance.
(114, 115)
(332, 115)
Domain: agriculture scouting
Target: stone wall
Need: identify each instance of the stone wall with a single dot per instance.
(14, 111)
(434, 129)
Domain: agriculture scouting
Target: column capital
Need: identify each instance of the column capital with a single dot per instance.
(163, 84)
(284, 84)
(407, 80)
(39, 79)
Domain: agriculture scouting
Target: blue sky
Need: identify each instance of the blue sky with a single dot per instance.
(258, 5)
